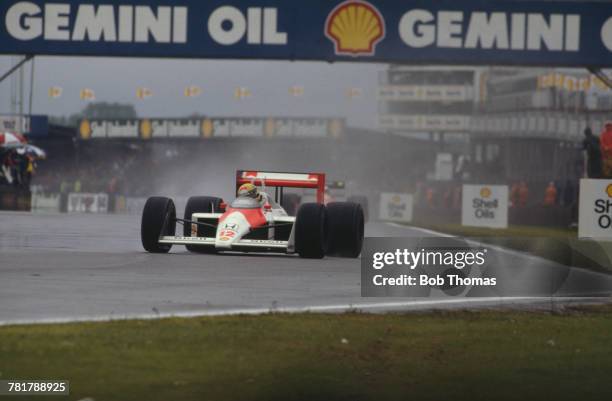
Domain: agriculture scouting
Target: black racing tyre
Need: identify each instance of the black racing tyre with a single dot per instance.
(311, 231)
(291, 202)
(200, 204)
(345, 235)
(363, 201)
(158, 219)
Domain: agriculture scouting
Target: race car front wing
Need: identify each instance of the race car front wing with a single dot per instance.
(243, 245)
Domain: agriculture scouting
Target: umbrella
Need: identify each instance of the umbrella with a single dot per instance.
(32, 150)
(10, 139)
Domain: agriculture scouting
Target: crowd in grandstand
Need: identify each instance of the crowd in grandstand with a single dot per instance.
(113, 175)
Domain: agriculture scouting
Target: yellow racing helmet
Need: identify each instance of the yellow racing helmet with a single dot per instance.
(248, 190)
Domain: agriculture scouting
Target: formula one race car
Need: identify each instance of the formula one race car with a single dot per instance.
(251, 225)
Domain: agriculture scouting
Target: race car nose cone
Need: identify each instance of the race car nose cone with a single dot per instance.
(230, 230)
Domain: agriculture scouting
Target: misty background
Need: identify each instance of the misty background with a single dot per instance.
(117, 79)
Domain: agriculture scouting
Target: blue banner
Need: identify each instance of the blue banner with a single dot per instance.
(563, 33)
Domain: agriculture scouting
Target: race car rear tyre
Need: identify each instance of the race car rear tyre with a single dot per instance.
(363, 201)
(200, 204)
(158, 219)
(311, 231)
(346, 228)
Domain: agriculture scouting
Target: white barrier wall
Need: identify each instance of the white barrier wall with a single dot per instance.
(134, 205)
(45, 203)
(396, 207)
(87, 203)
(485, 206)
(595, 210)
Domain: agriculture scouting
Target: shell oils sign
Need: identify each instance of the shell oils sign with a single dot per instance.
(396, 207)
(595, 210)
(485, 206)
(355, 27)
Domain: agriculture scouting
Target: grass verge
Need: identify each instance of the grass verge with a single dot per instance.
(559, 244)
(486, 355)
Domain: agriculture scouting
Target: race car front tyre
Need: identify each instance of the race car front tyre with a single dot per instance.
(311, 231)
(201, 204)
(346, 228)
(158, 219)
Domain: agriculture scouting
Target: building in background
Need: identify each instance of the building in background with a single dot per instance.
(530, 122)
(431, 103)
(498, 125)
(427, 100)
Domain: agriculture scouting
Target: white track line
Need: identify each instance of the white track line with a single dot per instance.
(397, 306)
(425, 230)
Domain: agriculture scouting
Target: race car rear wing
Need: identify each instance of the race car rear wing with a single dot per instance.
(283, 180)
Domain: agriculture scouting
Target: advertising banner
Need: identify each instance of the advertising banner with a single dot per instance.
(552, 33)
(396, 207)
(485, 206)
(30, 125)
(87, 203)
(595, 210)
(158, 128)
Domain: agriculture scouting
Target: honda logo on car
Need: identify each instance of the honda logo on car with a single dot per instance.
(485, 206)
(595, 214)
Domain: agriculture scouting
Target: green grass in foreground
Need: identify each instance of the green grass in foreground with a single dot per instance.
(488, 355)
(559, 244)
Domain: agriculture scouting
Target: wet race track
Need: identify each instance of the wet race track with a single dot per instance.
(89, 267)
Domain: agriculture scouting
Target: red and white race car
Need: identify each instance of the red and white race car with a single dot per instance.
(247, 225)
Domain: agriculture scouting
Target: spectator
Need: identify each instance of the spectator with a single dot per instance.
(457, 197)
(29, 170)
(523, 194)
(64, 187)
(606, 149)
(447, 198)
(550, 194)
(429, 197)
(569, 193)
(591, 145)
(514, 194)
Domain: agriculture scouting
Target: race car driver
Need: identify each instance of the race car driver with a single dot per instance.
(250, 191)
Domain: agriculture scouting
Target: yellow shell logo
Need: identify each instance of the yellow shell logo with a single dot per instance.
(609, 190)
(396, 199)
(146, 129)
(208, 128)
(485, 192)
(355, 27)
(85, 129)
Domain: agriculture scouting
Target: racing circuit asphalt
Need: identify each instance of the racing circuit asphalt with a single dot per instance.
(57, 267)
